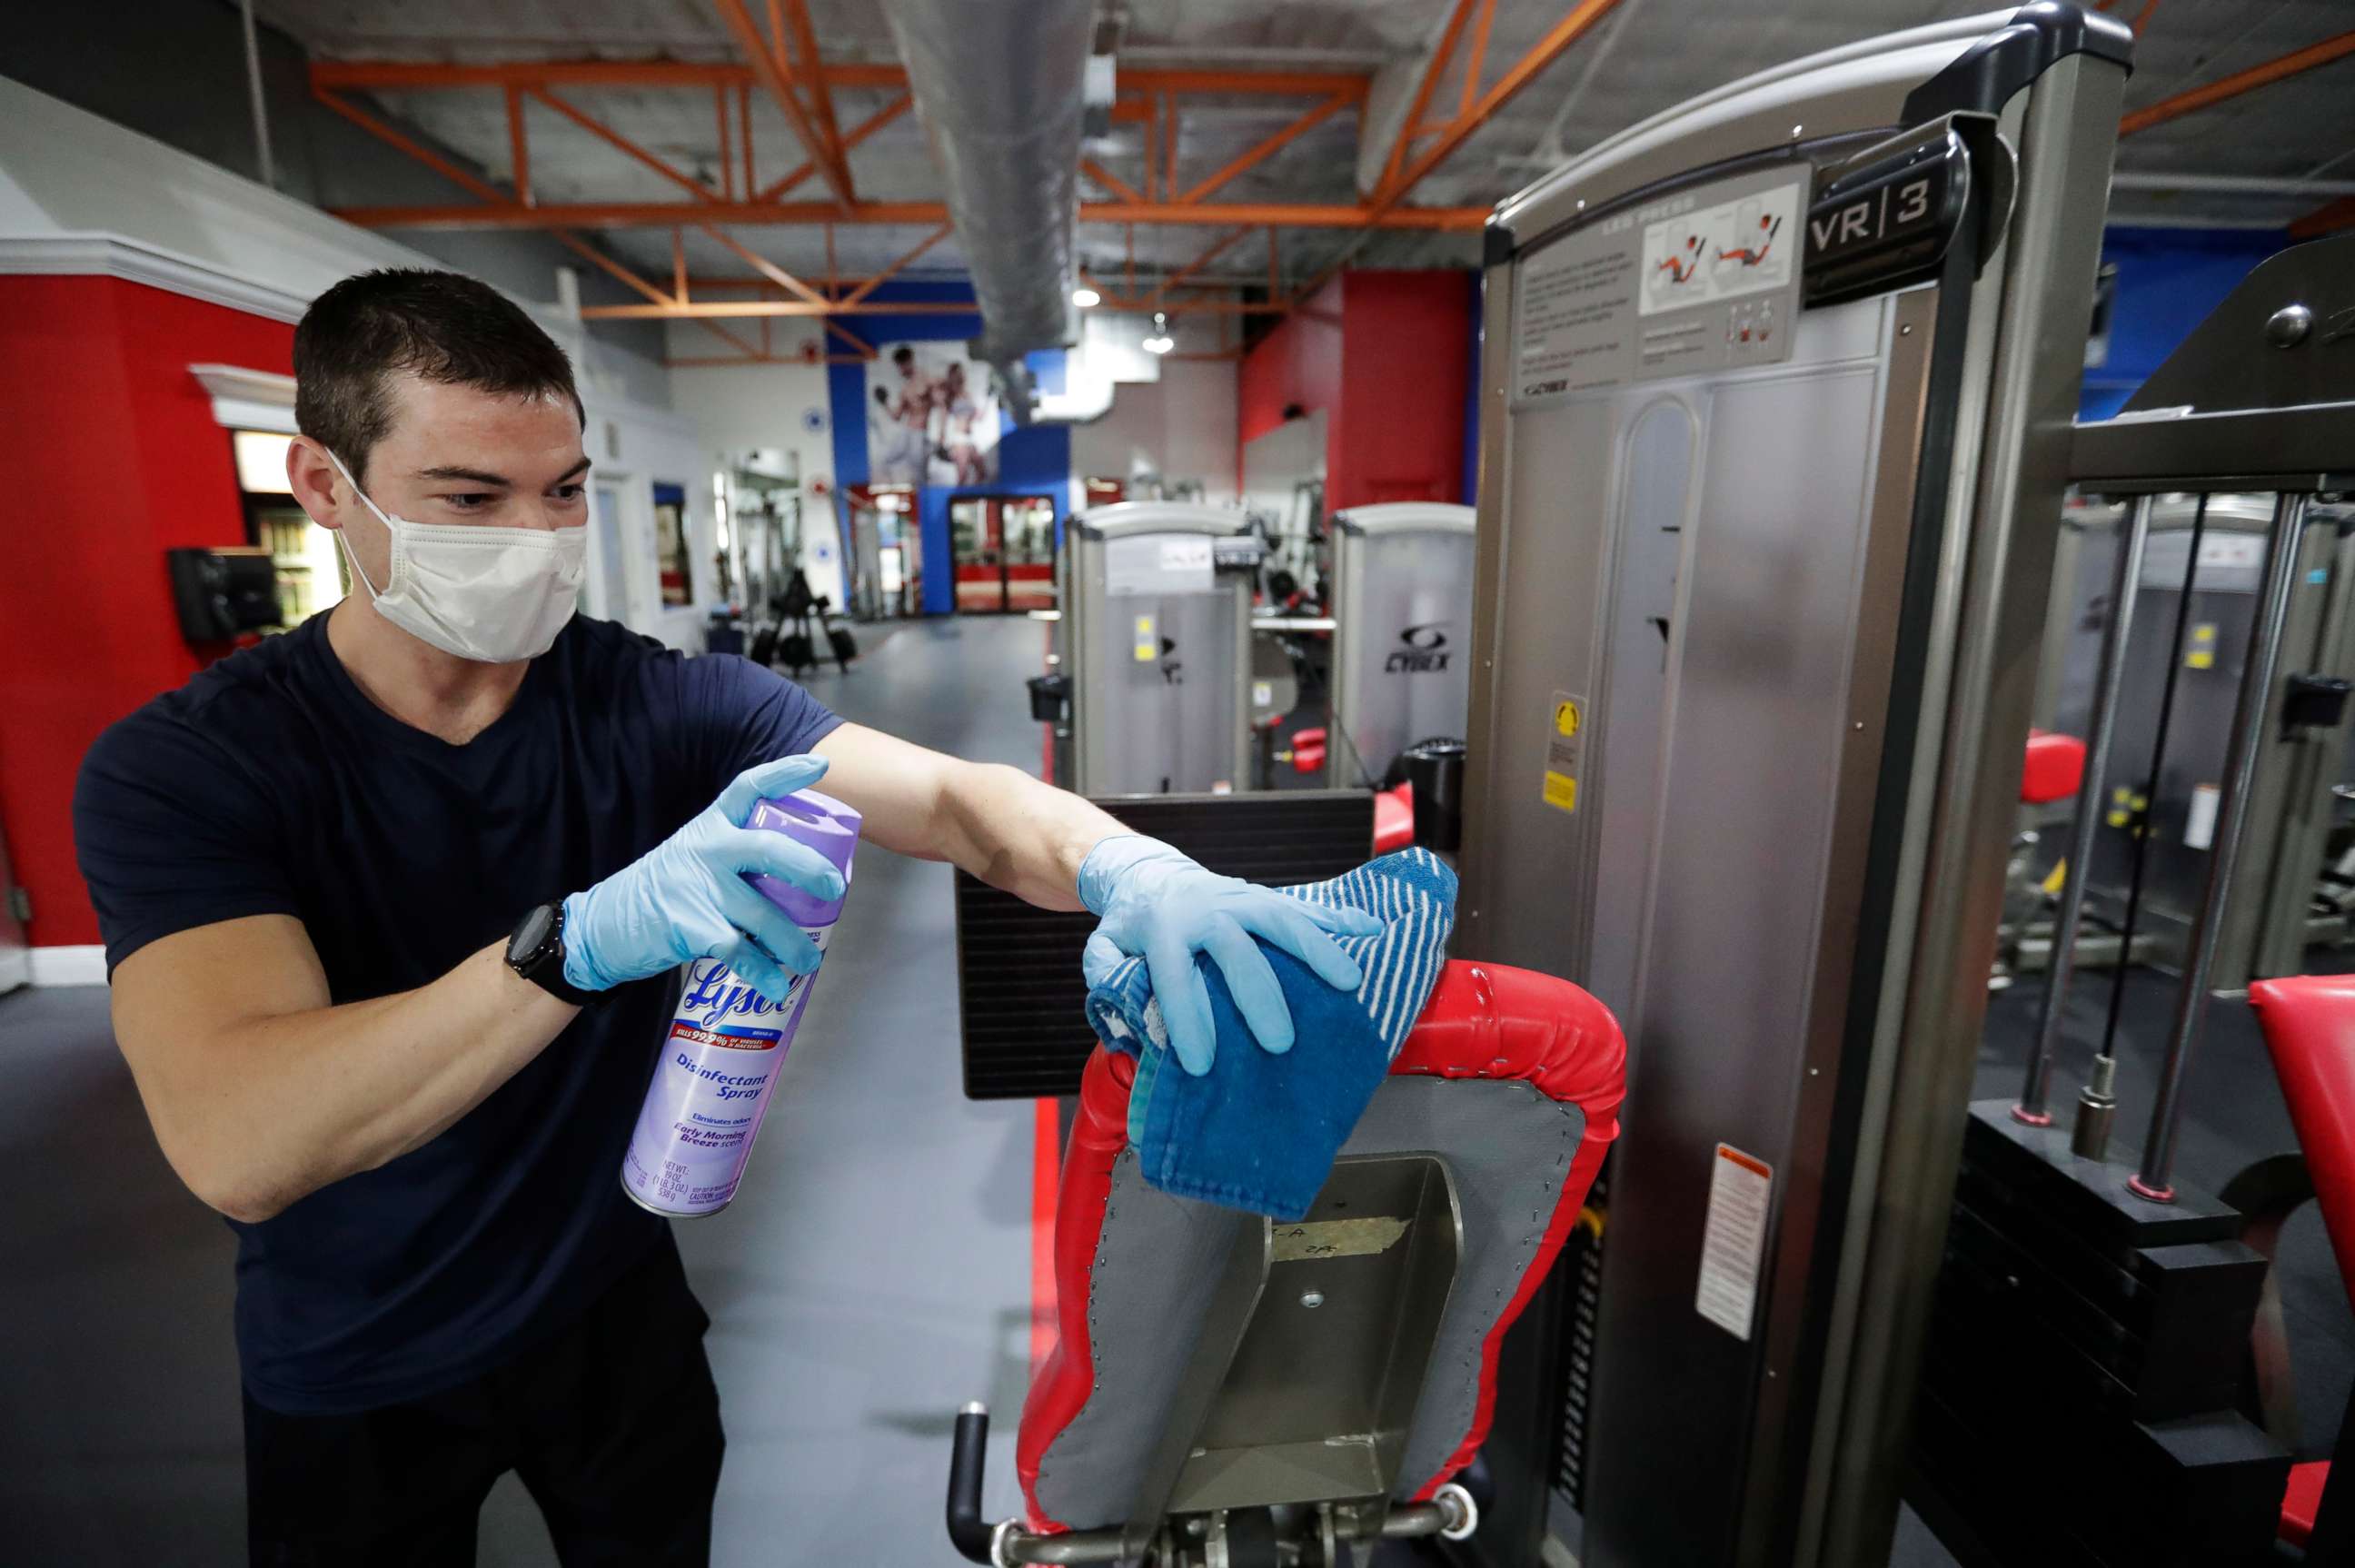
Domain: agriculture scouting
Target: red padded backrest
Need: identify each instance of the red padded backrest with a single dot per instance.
(2055, 770)
(2309, 1024)
(1483, 1020)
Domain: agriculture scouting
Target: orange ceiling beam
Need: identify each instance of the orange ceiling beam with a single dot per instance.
(518, 146)
(851, 138)
(811, 68)
(1268, 148)
(888, 273)
(762, 266)
(418, 151)
(663, 304)
(1440, 56)
(1581, 20)
(1110, 181)
(1479, 57)
(623, 144)
(770, 69)
(498, 212)
(2279, 69)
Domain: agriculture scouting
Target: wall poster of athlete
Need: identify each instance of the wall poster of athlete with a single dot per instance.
(932, 417)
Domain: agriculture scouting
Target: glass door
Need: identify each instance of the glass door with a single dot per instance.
(1004, 548)
(1027, 526)
(976, 545)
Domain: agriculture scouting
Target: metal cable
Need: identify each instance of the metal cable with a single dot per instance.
(2140, 819)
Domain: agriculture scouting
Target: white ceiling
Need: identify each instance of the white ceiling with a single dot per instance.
(1649, 55)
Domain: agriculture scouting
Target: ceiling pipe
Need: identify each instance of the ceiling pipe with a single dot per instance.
(999, 85)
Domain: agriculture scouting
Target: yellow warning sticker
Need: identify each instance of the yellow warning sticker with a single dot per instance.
(1148, 645)
(1565, 747)
(2202, 652)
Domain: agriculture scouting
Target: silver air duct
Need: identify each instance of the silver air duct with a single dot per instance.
(999, 84)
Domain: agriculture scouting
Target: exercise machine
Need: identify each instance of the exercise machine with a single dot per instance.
(1402, 618)
(1774, 418)
(1153, 643)
(1229, 1392)
(2093, 1314)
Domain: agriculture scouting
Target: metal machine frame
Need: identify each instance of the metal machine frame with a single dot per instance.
(1361, 536)
(1778, 855)
(1094, 638)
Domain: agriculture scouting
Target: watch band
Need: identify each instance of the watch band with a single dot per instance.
(544, 965)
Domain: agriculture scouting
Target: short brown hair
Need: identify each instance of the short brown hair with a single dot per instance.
(444, 326)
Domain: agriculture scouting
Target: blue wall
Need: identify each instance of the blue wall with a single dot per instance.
(2168, 280)
(1033, 461)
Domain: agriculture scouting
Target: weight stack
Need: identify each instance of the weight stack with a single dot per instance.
(2084, 1374)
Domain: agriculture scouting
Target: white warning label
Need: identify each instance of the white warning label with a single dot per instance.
(1734, 1241)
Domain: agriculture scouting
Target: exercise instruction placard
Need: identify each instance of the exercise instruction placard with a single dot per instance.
(1703, 280)
(1733, 1242)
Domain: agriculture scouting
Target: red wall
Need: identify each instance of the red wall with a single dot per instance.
(113, 455)
(1406, 345)
(1299, 362)
(1385, 354)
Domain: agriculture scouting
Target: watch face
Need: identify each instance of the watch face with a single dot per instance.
(531, 935)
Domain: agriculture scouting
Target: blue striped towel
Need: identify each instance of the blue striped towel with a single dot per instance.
(1260, 1131)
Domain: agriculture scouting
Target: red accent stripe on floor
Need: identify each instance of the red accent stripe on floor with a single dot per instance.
(1046, 1159)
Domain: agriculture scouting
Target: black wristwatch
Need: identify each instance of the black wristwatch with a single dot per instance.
(536, 952)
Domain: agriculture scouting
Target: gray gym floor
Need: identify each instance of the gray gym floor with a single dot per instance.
(871, 1276)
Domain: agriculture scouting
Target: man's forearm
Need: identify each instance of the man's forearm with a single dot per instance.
(266, 1109)
(1025, 836)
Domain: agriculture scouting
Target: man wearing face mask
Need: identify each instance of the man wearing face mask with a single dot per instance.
(393, 904)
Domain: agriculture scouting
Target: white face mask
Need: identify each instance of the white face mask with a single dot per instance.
(496, 595)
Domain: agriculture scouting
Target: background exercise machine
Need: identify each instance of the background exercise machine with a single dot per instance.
(1402, 620)
(1154, 642)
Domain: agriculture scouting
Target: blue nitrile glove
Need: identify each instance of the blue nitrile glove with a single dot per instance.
(1159, 906)
(686, 898)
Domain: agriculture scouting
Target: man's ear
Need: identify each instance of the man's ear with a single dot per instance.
(317, 483)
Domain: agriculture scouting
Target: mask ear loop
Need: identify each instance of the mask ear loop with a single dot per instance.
(350, 554)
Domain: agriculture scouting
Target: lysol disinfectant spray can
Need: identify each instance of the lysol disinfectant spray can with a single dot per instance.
(726, 1041)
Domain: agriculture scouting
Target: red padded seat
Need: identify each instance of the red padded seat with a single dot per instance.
(2309, 1027)
(1496, 1051)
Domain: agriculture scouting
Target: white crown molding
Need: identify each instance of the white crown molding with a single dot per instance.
(249, 399)
(97, 254)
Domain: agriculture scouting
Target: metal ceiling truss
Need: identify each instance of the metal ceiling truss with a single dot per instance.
(784, 62)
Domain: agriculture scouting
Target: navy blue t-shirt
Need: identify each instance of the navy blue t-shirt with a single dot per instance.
(268, 784)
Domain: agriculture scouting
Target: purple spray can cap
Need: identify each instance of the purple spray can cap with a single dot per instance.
(827, 825)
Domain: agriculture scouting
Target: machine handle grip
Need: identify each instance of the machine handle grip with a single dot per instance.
(968, 1531)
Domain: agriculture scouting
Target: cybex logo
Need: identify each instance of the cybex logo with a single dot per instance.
(1425, 650)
